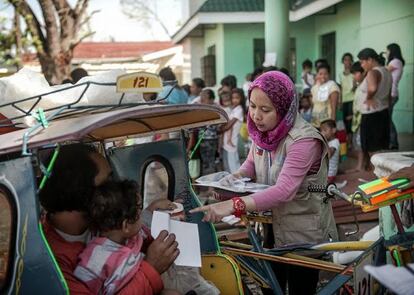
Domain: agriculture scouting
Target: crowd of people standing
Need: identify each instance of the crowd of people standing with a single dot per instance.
(354, 113)
(362, 101)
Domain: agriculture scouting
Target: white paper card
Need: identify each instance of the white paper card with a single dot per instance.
(186, 236)
(270, 59)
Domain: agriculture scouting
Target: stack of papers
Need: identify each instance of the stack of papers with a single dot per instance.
(243, 185)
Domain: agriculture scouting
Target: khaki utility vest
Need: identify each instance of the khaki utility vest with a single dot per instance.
(306, 218)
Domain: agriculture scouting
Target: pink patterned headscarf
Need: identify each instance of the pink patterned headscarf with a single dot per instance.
(281, 91)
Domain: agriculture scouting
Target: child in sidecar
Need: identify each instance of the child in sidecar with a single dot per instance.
(111, 259)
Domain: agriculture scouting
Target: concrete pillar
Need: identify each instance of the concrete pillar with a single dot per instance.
(277, 30)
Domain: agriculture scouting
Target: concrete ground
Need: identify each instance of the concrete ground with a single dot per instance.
(406, 141)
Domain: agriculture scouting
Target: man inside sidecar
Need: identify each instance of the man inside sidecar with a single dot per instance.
(78, 170)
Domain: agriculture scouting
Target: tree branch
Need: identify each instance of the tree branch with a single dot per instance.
(79, 12)
(66, 19)
(164, 27)
(140, 10)
(17, 34)
(80, 7)
(73, 45)
(33, 25)
(88, 18)
(62, 7)
(51, 25)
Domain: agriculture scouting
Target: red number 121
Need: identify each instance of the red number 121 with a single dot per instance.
(141, 82)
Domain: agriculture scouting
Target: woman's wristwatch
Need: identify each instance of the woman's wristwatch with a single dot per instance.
(239, 207)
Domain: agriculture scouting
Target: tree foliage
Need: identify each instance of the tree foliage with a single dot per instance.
(7, 42)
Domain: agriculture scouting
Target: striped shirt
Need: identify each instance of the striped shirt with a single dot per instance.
(106, 266)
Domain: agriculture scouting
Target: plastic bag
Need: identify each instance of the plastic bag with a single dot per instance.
(27, 83)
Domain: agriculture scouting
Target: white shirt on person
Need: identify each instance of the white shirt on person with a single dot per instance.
(196, 99)
(236, 113)
(83, 238)
(309, 78)
(382, 94)
(227, 110)
(396, 75)
(334, 159)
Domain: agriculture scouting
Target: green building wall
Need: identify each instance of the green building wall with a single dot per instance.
(306, 46)
(234, 48)
(215, 37)
(238, 48)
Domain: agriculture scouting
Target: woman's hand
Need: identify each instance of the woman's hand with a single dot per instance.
(215, 212)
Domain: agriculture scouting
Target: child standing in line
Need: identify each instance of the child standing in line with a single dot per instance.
(305, 107)
(328, 130)
(209, 144)
(225, 103)
(308, 78)
(231, 130)
(347, 85)
(358, 74)
(325, 97)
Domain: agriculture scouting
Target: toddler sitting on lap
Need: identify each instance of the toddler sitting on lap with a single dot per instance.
(113, 257)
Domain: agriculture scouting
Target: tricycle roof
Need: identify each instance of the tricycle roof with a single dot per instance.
(118, 123)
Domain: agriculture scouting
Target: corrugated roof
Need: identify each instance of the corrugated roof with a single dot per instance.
(98, 50)
(118, 49)
(245, 5)
(232, 5)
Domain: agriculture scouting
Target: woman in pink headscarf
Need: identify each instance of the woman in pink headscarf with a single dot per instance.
(288, 154)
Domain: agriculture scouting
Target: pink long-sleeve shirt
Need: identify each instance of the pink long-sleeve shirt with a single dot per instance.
(303, 158)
